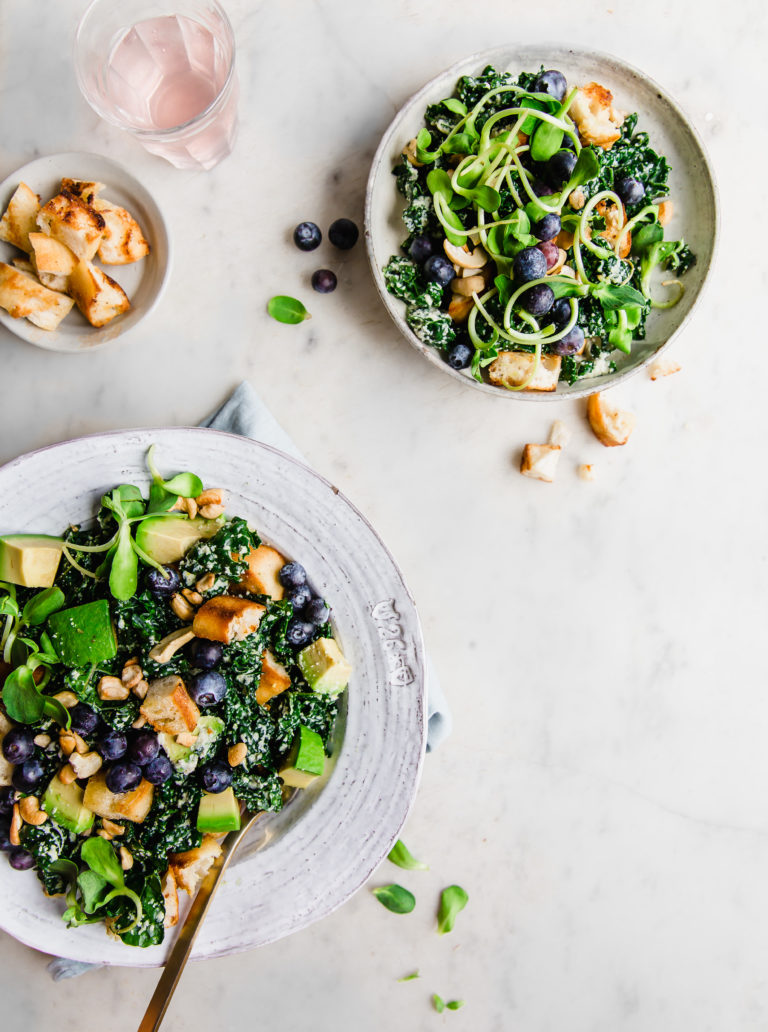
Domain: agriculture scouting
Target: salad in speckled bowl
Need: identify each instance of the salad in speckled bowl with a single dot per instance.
(546, 238)
(162, 670)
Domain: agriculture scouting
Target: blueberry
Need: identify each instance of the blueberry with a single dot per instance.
(529, 264)
(560, 166)
(317, 612)
(571, 343)
(540, 188)
(343, 233)
(207, 688)
(538, 300)
(29, 775)
(307, 236)
(158, 771)
(568, 142)
(162, 586)
(7, 799)
(552, 82)
(123, 776)
(205, 654)
(216, 776)
(422, 247)
(299, 632)
(551, 252)
(630, 190)
(112, 745)
(439, 270)
(324, 281)
(21, 860)
(560, 312)
(18, 745)
(144, 748)
(5, 836)
(84, 719)
(299, 596)
(292, 575)
(460, 356)
(547, 228)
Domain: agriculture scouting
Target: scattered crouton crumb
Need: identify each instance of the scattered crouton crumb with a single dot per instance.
(664, 367)
(587, 471)
(559, 434)
(611, 426)
(540, 461)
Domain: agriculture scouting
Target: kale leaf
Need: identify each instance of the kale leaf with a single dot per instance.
(169, 827)
(48, 843)
(258, 791)
(431, 325)
(403, 278)
(225, 554)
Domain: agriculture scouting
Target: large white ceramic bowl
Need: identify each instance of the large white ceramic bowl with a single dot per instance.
(691, 182)
(306, 861)
(143, 281)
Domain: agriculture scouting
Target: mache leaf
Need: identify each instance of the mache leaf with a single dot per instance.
(395, 898)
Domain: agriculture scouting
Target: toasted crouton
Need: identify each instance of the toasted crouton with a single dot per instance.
(122, 241)
(611, 426)
(512, 368)
(96, 294)
(168, 706)
(274, 679)
(171, 898)
(25, 265)
(191, 867)
(22, 295)
(664, 367)
(615, 220)
(53, 261)
(597, 119)
(19, 217)
(540, 461)
(86, 191)
(559, 434)
(264, 564)
(72, 222)
(225, 618)
(128, 806)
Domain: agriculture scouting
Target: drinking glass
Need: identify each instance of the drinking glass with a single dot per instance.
(165, 72)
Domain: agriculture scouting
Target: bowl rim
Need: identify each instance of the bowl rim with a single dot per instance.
(133, 957)
(430, 353)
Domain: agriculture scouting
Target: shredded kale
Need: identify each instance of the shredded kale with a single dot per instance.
(48, 843)
(258, 791)
(431, 325)
(225, 554)
(317, 712)
(169, 827)
(631, 155)
(404, 278)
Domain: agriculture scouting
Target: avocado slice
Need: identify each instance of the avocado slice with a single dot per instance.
(218, 811)
(306, 760)
(324, 667)
(64, 804)
(166, 538)
(176, 753)
(30, 560)
(83, 634)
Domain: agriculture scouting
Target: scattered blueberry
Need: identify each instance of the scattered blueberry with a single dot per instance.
(316, 612)
(292, 574)
(5, 836)
(207, 688)
(84, 719)
(123, 776)
(560, 312)
(540, 188)
(18, 745)
(112, 745)
(299, 596)
(422, 247)
(158, 771)
(560, 166)
(630, 190)
(571, 343)
(551, 252)
(216, 776)
(529, 264)
(29, 775)
(548, 227)
(163, 587)
(324, 281)
(538, 299)
(144, 748)
(21, 860)
(7, 799)
(299, 632)
(307, 236)
(205, 654)
(439, 270)
(552, 82)
(343, 233)
(460, 356)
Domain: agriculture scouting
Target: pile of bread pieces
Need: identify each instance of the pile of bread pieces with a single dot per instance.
(60, 240)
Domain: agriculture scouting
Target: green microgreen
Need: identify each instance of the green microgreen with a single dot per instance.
(409, 978)
(452, 902)
(287, 309)
(400, 855)
(395, 898)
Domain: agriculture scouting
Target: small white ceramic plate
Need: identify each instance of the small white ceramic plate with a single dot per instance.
(305, 861)
(692, 189)
(143, 281)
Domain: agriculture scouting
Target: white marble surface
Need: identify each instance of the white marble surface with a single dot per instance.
(603, 798)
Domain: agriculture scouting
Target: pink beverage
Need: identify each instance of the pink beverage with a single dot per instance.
(168, 79)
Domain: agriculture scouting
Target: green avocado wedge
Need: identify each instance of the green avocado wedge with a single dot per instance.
(306, 760)
(64, 804)
(218, 812)
(29, 560)
(83, 634)
(166, 539)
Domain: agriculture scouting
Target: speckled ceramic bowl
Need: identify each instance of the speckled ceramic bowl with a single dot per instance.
(304, 862)
(692, 189)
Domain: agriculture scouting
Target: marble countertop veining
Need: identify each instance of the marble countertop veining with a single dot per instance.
(603, 797)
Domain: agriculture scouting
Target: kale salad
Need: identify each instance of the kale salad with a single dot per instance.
(535, 214)
(162, 670)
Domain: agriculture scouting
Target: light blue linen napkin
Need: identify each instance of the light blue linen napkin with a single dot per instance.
(246, 414)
